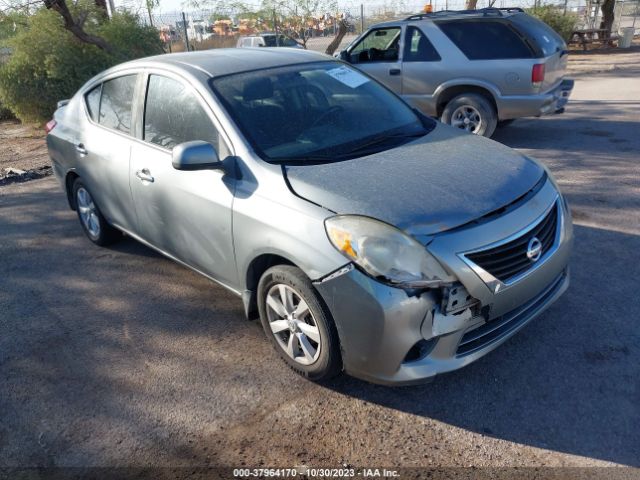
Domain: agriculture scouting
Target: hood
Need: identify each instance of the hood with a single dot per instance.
(438, 182)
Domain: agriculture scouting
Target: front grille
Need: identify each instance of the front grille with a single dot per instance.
(510, 259)
(498, 328)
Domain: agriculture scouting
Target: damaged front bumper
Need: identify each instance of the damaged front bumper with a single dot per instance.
(394, 336)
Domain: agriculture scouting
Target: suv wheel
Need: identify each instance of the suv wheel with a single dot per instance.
(298, 324)
(471, 112)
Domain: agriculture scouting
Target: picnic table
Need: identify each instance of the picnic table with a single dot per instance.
(592, 35)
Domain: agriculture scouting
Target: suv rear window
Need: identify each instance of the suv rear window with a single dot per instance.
(539, 33)
(485, 39)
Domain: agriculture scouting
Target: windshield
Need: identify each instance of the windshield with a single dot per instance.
(317, 112)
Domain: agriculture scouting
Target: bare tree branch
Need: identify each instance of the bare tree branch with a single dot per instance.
(335, 43)
(76, 26)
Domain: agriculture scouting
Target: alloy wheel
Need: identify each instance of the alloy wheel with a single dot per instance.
(88, 212)
(466, 118)
(292, 324)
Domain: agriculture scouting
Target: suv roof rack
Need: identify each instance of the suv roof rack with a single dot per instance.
(481, 11)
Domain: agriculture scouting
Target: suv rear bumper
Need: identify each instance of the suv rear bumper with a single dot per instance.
(516, 106)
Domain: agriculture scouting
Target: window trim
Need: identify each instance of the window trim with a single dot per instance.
(406, 42)
(401, 40)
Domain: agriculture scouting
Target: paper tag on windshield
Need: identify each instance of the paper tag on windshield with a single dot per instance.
(349, 77)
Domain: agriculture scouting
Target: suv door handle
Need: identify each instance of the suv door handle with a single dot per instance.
(80, 149)
(144, 175)
(395, 71)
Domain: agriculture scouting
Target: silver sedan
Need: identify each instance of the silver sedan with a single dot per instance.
(366, 237)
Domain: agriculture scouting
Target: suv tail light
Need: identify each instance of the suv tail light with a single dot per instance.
(51, 124)
(537, 74)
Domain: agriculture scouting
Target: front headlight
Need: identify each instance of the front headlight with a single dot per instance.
(385, 252)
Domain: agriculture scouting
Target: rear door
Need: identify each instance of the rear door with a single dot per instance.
(422, 70)
(378, 54)
(185, 213)
(103, 148)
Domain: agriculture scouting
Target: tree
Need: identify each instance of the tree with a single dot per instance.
(607, 8)
(76, 25)
(298, 17)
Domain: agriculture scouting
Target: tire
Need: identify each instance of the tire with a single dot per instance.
(314, 348)
(95, 227)
(471, 112)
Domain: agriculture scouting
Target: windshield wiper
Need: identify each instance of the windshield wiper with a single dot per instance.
(369, 147)
(359, 150)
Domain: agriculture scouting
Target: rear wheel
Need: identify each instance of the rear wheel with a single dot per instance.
(93, 222)
(471, 112)
(298, 324)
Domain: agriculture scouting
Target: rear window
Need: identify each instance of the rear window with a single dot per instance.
(485, 40)
(539, 33)
(115, 107)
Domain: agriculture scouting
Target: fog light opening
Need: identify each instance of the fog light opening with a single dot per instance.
(420, 350)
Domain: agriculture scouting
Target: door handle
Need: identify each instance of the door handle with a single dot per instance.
(395, 71)
(144, 175)
(80, 149)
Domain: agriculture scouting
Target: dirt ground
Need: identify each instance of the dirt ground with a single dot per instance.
(22, 147)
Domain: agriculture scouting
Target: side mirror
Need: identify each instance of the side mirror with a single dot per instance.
(196, 155)
(344, 55)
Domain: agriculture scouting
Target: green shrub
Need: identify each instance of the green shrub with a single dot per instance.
(563, 23)
(48, 63)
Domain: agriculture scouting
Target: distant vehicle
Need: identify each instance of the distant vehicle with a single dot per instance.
(473, 69)
(366, 236)
(267, 40)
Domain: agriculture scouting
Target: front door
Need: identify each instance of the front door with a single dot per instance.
(185, 213)
(377, 53)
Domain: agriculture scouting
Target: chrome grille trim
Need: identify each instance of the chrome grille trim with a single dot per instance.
(496, 284)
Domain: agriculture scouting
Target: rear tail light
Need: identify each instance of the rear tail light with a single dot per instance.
(537, 74)
(51, 124)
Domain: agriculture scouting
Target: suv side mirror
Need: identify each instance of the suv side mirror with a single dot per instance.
(344, 55)
(196, 155)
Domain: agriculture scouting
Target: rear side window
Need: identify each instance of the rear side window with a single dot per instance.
(418, 48)
(485, 40)
(174, 115)
(93, 102)
(115, 107)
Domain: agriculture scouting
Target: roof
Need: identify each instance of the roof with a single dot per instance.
(226, 61)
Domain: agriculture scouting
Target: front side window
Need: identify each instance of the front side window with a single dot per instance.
(318, 112)
(115, 106)
(485, 40)
(173, 115)
(418, 48)
(380, 45)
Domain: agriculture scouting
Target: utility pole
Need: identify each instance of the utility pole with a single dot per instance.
(186, 35)
(362, 18)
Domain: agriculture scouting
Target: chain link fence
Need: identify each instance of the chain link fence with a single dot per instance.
(203, 29)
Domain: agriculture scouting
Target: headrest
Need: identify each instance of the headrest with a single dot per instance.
(257, 89)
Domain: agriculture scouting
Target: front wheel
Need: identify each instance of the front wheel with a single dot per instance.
(471, 112)
(298, 323)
